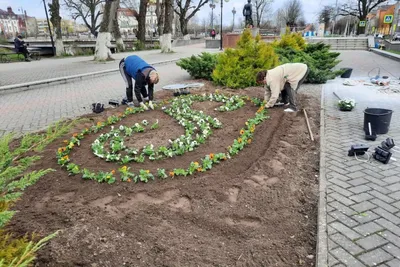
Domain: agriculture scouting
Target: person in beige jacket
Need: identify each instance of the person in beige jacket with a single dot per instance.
(285, 79)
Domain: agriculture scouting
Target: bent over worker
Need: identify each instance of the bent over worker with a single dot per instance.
(133, 67)
(285, 79)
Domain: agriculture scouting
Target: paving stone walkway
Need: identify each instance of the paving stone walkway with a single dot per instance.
(35, 109)
(362, 198)
(48, 68)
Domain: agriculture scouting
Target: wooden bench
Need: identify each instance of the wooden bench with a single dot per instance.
(5, 56)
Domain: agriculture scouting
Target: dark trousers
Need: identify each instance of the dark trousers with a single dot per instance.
(24, 51)
(140, 85)
(289, 93)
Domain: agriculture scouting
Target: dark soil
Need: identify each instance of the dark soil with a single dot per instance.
(257, 209)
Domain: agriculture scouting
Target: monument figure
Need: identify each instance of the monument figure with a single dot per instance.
(247, 13)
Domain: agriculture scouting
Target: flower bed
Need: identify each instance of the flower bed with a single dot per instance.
(197, 125)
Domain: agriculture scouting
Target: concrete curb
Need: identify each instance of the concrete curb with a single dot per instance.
(27, 86)
(386, 54)
(322, 240)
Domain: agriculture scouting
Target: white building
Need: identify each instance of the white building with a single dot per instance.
(9, 22)
(42, 26)
(128, 23)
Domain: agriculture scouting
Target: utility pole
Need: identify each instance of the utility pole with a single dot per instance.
(48, 23)
(220, 32)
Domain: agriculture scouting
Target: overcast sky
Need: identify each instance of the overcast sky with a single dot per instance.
(311, 8)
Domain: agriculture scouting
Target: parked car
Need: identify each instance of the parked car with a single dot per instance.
(396, 36)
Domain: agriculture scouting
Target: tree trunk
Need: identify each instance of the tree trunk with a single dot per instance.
(55, 19)
(142, 21)
(160, 11)
(103, 42)
(165, 39)
(183, 22)
(117, 32)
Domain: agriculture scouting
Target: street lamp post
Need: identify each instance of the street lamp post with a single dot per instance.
(220, 32)
(233, 23)
(212, 6)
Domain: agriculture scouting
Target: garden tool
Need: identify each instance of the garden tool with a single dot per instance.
(388, 145)
(359, 150)
(113, 102)
(383, 155)
(370, 136)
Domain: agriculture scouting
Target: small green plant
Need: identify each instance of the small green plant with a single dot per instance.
(145, 176)
(161, 173)
(346, 104)
(139, 46)
(199, 67)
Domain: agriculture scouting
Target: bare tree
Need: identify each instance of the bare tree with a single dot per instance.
(360, 10)
(166, 38)
(326, 16)
(184, 12)
(160, 12)
(107, 26)
(54, 9)
(261, 6)
(140, 16)
(88, 10)
(292, 12)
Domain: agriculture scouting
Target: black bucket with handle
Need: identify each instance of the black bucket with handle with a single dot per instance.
(379, 118)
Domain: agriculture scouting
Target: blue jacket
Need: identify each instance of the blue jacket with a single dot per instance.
(133, 64)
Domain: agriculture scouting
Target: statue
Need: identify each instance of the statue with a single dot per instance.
(247, 13)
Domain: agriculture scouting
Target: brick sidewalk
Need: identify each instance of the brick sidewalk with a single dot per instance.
(23, 72)
(36, 109)
(362, 198)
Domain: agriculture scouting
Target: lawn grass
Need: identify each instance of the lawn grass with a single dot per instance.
(12, 57)
(394, 52)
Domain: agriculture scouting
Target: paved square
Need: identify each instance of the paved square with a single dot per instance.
(362, 195)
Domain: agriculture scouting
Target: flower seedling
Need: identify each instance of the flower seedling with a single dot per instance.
(161, 173)
(107, 177)
(73, 169)
(126, 175)
(138, 128)
(155, 125)
(145, 175)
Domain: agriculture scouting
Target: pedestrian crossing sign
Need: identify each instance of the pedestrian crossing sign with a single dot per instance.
(362, 23)
(388, 19)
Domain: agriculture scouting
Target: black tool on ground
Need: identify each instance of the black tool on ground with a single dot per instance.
(370, 136)
(97, 107)
(357, 150)
(388, 144)
(382, 155)
(113, 102)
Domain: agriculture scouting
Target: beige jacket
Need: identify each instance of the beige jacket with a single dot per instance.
(277, 77)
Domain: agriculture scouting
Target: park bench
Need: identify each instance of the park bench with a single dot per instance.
(5, 56)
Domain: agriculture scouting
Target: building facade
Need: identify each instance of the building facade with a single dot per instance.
(9, 23)
(43, 27)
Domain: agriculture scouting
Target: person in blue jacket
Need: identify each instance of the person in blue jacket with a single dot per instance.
(133, 67)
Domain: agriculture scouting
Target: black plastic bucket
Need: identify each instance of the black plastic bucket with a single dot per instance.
(347, 72)
(379, 118)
